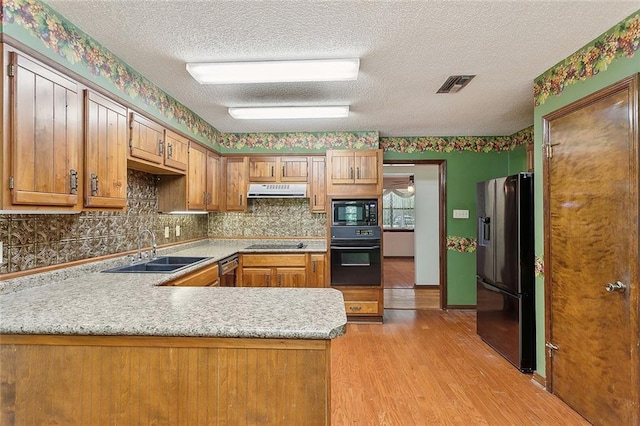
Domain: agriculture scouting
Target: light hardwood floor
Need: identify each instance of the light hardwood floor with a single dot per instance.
(399, 289)
(428, 367)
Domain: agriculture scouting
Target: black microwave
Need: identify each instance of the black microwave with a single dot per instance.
(354, 212)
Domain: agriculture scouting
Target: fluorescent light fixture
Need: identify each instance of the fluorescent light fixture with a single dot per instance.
(264, 113)
(275, 71)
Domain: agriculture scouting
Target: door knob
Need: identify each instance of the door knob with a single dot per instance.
(617, 286)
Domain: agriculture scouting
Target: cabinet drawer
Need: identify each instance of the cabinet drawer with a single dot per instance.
(354, 308)
(360, 295)
(207, 276)
(274, 260)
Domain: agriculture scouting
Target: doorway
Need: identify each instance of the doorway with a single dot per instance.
(413, 225)
(591, 254)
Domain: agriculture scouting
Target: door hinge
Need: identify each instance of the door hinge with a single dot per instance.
(548, 149)
(11, 70)
(551, 346)
(10, 182)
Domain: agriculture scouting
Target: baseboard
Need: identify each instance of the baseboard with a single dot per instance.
(460, 307)
(538, 379)
(426, 286)
(398, 257)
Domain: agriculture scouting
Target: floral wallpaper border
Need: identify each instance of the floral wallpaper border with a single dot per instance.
(622, 40)
(77, 48)
(448, 144)
(462, 244)
(539, 268)
(319, 142)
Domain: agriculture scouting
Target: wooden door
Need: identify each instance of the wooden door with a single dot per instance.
(236, 183)
(291, 277)
(318, 185)
(213, 182)
(197, 178)
(317, 271)
(366, 163)
(105, 173)
(176, 152)
(341, 166)
(146, 139)
(256, 277)
(592, 241)
(44, 135)
(294, 169)
(262, 169)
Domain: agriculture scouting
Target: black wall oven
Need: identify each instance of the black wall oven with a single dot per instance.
(354, 212)
(356, 256)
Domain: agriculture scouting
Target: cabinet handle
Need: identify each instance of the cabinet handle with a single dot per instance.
(240, 199)
(160, 147)
(273, 171)
(351, 173)
(355, 308)
(279, 280)
(358, 173)
(169, 150)
(94, 184)
(73, 181)
(268, 277)
(313, 266)
(283, 174)
(315, 200)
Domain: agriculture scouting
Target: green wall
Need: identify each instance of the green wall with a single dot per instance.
(623, 66)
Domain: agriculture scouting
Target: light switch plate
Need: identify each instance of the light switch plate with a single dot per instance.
(1, 252)
(177, 230)
(461, 214)
(166, 232)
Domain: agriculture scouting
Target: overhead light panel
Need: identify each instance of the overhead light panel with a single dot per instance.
(289, 112)
(275, 71)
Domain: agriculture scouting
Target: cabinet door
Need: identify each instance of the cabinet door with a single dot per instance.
(236, 183)
(197, 178)
(294, 169)
(213, 182)
(317, 271)
(256, 277)
(146, 139)
(176, 152)
(290, 277)
(44, 135)
(105, 173)
(262, 169)
(317, 191)
(366, 163)
(342, 167)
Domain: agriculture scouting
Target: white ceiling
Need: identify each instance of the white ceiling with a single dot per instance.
(407, 50)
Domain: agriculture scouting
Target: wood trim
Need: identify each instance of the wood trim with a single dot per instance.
(168, 341)
(537, 378)
(442, 222)
(449, 307)
(397, 230)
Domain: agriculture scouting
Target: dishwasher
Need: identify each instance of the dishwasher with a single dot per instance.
(227, 270)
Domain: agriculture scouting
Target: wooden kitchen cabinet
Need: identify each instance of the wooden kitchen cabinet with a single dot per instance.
(214, 179)
(197, 178)
(155, 149)
(105, 134)
(44, 167)
(317, 276)
(207, 276)
(273, 270)
(278, 169)
(363, 303)
(317, 185)
(235, 179)
(176, 152)
(355, 172)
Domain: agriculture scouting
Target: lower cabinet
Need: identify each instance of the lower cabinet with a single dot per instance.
(206, 276)
(283, 270)
(363, 303)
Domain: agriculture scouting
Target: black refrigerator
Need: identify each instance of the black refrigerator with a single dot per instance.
(506, 268)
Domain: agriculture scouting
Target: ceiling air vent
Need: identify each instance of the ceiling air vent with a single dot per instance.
(455, 83)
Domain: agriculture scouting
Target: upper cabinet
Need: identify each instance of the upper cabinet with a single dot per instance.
(317, 185)
(42, 163)
(236, 170)
(278, 169)
(214, 183)
(354, 172)
(105, 134)
(154, 149)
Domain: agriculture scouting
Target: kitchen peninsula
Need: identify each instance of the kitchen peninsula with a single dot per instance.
(79, 346)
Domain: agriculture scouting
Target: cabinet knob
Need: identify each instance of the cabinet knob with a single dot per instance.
(355, 308)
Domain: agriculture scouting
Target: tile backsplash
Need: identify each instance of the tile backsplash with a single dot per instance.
(36, 240)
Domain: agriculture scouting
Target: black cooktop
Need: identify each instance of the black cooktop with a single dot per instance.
(276, 246)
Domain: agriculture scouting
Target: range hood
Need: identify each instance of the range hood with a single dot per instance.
(277, 190)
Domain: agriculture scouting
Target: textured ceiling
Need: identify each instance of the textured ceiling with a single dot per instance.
(407, 50)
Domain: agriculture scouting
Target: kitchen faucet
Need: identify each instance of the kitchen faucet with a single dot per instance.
(153, 243)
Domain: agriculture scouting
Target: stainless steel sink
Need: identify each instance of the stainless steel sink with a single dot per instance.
(161, 265)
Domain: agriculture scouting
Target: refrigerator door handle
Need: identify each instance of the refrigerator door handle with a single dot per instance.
(485, 230)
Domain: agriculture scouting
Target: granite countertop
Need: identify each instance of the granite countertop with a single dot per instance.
(82, 300)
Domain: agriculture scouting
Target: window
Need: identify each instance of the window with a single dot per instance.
(398, 209)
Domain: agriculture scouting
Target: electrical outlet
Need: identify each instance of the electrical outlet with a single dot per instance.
(1, 253)
(177, 230)
(166, 232)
